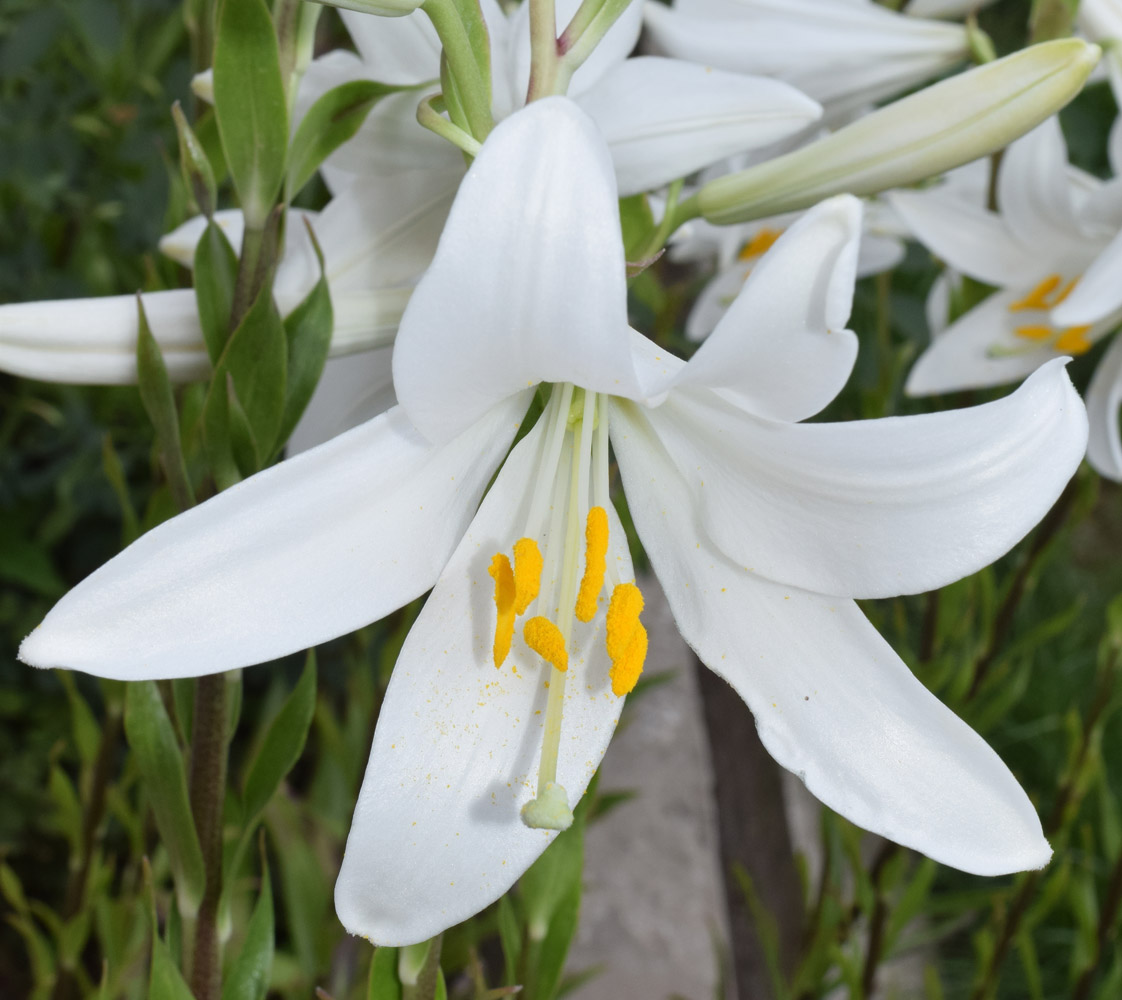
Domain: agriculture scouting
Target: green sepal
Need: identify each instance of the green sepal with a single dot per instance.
(330, 122)
(164, 779)
(248, 978)
(283, 743)
(250, 103)
(308, 330)
(159, 403)
(383, 983)
(215, 272)
(198, 176)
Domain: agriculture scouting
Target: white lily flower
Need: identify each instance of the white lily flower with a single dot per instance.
(737, 249)
(662, 118)
(376, 239)
(845, 55)
(762, 530)
(1054, 253)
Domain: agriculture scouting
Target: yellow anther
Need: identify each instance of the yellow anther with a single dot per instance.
(595, 563)
(1040, 296)
(759, 244)
(527, 573)
(626, 669)
(503, 576)
(545, 639)
(1035, 332)
(623, 617)
(1074, 340)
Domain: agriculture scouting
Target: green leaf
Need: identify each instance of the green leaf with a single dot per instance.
(159, 403)
(193, 161)
(249, 101)
(510, 936)
(638, 224)
(115, 473)
(251, 374)
(383, 983)
(283, 743)
(87, 732)
(164, 779)
(308, 330)
(215, 273)
(248, 978)
(330, 122)
(165, 981)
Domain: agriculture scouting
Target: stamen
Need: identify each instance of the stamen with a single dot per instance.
(595, 563)
(759, 244)
(626, 638)
(1038, 298)
(503, 576)
(545, 639)
(1074, 340)
(527, 573)
(1035, 332)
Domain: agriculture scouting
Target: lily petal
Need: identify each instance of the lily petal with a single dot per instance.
(665, 118)
(436, 834)
(781, 349)
(875, 508)
(970, 238)
(308, 550)
(1099, 291)
(399, 50)
(1104, 396)
(93, 341)
(832, 701)
(544, 297)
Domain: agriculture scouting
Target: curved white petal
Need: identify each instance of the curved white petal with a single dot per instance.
(878, 253)
(1104, 396)
(436, 834)
(1099, 291)
(179, 245)
(981, 348)
(351, 391)
(1034, 193)
(307, 550)
(970, 238)
(528, 283)
(874, 508)
(93, 341)
(666, 118)
(715, 298)
(832, 701)
(781, 349)
(398, 50)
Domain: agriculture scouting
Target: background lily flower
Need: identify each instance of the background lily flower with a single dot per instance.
(1054, 252)
(662, 118)
(762, 530)
(1101, 21)
(845, 55)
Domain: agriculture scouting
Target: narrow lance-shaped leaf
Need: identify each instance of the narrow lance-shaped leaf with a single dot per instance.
(249, 100)
(164, 779)
(249, 975)
(165, 981)
(940, 127)
(215, 272)
(159, 403)
(330, 122)
(308, 331)
(193, 161)
(383, 983)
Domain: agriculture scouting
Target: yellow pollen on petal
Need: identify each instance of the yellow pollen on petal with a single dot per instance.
(759, 244)
(503, 576)
(527, 573)
(1040, 296)
(1035, 332)
(1074, 340)
(595, 563)
(625, 671)
(545, 639)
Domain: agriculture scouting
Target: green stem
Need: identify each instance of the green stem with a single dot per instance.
(544, 60)
(429, 115)
(592, 21)
(473, 88)
(208, 793)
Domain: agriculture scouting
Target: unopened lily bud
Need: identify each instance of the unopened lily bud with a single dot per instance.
(938, 128)
(385, 8)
